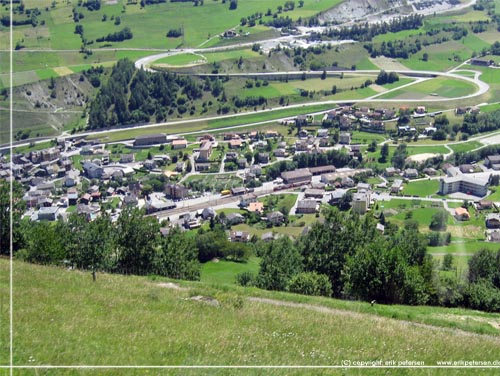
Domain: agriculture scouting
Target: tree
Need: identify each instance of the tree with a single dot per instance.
(323, 75)
(310, 283)
(399, 157)
(17, 209)
(425, 56)
(96, 245)
(177, 257)
(373, 146)
(43, 243)
(439, 220)
(136, 238)
(384, 153)
(280, 262)
(484, 265)
(233, 4)
(447, 262)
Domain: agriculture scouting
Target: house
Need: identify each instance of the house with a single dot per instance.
(397, 186)
(176, 191)
(92, 170)
(493, 220)
(301, 145)
(130, 200)
(179, 166)
(420, 110)
(360, 202)
(276, 218)
(462, 214)
(127, 158)
(50, 213)
(307, 207)
(322, 133)
(484, 205)
(363, 186)
(263, 157)
(301, 121)
(281, 153)
(270, 134)
(336, 196)
(179, 144)
(322, 170)
(150, 139)
(231, 156)
(492, 161)
(328, 178)
(466, 168)
(202, 166)
(85, 199)
(235, 144)
(347, 182)
(191, 221)
(430, 171)
(154, 206)
(72, 196)
(389, 171)
(205, 152)
(481, 62)
(380, 228)
(242, 163)
(208, 213)
(149, 164)
(345, 123)
(355, 150)
(247, 199)
(234, 218)
(411, 173)
(494, 236)
(345, 138)
(296, 176)
(256, 207)
(238, 191)
(239, 236)
(314, 193)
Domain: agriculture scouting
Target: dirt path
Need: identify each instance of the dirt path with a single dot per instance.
(374, 317)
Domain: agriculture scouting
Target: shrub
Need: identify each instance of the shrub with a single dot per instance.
(310, 284)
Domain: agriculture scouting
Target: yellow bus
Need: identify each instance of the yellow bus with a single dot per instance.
(225, 192)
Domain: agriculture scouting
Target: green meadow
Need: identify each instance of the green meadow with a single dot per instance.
(421, 188)
(63, 318)
(441, 86)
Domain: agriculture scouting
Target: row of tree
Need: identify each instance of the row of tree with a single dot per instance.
(345, 257)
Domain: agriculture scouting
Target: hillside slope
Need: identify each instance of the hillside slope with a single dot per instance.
(62, 318)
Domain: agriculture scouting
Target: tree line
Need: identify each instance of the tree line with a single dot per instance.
(131, 245)
(366, 32)
(346, 257)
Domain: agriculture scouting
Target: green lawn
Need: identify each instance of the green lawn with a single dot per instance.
(179, 59)
(130, 320)
(465, 147)
(464, 247)
(435, 149)
(278, 202)
(444, 87)
(422, 188)
(224, 272)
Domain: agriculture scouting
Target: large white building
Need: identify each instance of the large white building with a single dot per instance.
(464, 184)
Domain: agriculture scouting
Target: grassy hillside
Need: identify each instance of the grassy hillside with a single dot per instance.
(63, 318)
